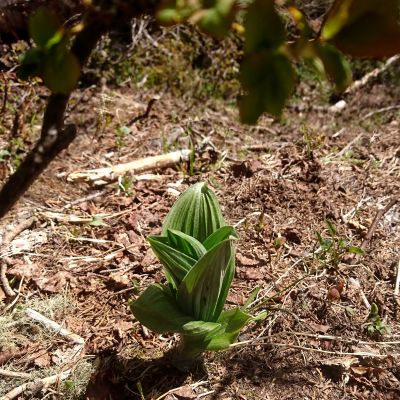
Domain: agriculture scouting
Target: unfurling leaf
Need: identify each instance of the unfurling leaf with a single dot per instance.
(200, 291)
(195, 213)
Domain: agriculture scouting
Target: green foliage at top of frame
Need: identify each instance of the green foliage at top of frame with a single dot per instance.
(361, 28)
(51, 58)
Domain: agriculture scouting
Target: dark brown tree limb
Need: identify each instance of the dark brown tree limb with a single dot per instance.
(55, 137)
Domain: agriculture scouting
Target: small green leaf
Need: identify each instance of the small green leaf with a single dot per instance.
(61, 72)
(43, 25)
(31, 63)
(217, 20)
(202, 329)
(356, 250)
(156, 309)
(252, 296)
(97, 221)
(232, 322)
(268, 78)
(335, 65)
(331, 228)
(264, 29)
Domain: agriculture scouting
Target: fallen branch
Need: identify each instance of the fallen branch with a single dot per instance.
(101, 176)
(36, 386)
(14, 374)
(54, 326)
(380, 111)
(397, 285)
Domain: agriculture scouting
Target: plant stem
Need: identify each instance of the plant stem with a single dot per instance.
(188, 353)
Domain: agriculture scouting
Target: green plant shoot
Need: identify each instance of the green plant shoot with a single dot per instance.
(196, 249)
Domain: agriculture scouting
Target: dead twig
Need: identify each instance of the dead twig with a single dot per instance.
(380, 213)
(380, 111)
(146, 114)
(36, 386)
(14, 374)
(8, 238)
(101, 176)
(397, 285)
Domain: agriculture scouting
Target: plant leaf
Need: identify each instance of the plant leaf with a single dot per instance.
(43, 25)
(336, 67)
(201, 329)
(176, 263)
(232, 322)
(264, 28)
(156, 308)
(186, 244)
(199, 293)
(196, 213)
(268, 78)
(219, 235)
(364, 28)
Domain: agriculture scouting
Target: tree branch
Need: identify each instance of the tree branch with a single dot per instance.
(54, 137)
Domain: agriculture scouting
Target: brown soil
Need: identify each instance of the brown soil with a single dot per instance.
(278, 182)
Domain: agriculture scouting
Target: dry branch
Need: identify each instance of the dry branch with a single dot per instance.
(102, 176)
(7, 239)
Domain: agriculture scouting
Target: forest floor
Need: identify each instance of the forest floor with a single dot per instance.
(85, 254)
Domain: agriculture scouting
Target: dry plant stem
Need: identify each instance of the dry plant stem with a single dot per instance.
(376, 220)
(14, 374)
(101, 176)
(55, 137)
(40, 384)
(397, 285)
(8, 237)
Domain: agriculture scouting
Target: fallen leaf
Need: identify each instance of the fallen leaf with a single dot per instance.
(119, 280)
(43, 360)
(183, 393)
(55, 283)
(246, 260)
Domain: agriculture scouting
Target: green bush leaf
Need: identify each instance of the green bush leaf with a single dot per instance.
(232, 322)
(217, 20)
(156, 309)
(61, 71)
(268, 78)
(364, 28)
(31, 63)
(43, 26)
(335, 65)
(199, 294)
(202, 329)
(264, 29)
(195, 213)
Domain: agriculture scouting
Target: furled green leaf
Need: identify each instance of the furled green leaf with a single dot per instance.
(198, 294)
(61, 71)
(196, 213)
(186, 244)
(264, 29)
(331, 228)
(232, 322)
(268, 78)
(156, 308)
(364, 28)
(219, 235)
(43, 25)
(335, 65)
(176, 263)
